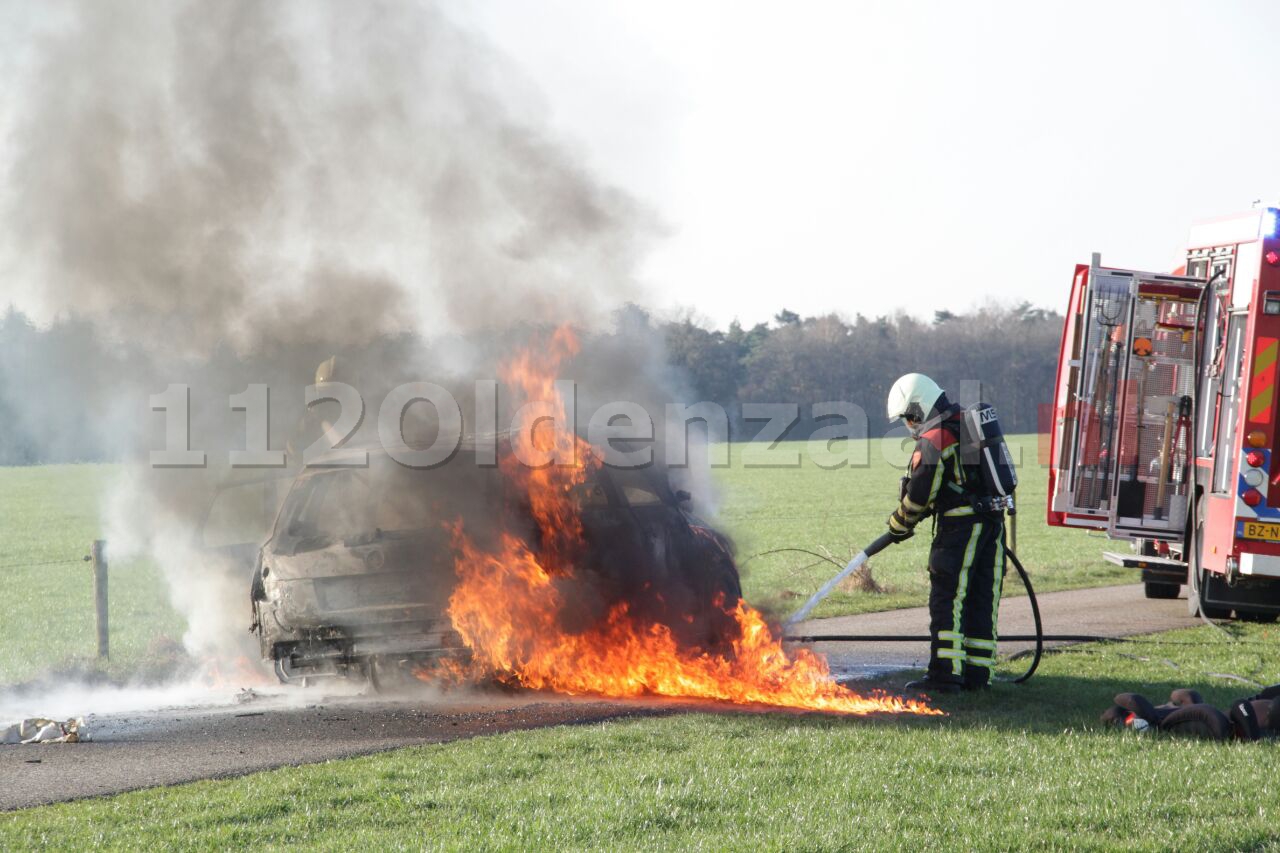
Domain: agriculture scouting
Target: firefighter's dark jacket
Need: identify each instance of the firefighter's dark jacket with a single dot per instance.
(936, 479)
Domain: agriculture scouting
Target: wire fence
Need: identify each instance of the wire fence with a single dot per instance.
(84, 558)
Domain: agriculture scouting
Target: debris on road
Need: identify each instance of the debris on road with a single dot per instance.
(40, 730)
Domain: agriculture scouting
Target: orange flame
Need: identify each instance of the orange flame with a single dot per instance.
(508, 603)
(241, 672)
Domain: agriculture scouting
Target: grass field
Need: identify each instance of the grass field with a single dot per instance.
(51, 514)
(1017, 768)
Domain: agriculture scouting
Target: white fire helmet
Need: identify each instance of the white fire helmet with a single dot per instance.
(913, 396)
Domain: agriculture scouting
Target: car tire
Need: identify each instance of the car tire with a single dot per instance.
(385, 676)
(1160, 590)
(718, 581)
(724, 580)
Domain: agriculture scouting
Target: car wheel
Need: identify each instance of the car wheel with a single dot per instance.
(386, 676)
(721, 584)
(724, 580)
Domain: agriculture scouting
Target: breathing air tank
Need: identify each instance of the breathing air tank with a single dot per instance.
(985, 447)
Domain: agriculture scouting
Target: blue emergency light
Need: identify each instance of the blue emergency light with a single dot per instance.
(1269, 222)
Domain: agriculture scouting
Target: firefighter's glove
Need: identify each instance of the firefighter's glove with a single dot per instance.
(900, 534)
(901, 537)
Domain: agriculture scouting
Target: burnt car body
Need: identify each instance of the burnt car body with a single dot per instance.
(240, 516)
(356, 576)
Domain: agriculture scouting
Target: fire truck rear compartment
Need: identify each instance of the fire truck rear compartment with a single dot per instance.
(1125, 456)
(1166, 421)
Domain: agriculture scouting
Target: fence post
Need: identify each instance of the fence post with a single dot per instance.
(98, 553)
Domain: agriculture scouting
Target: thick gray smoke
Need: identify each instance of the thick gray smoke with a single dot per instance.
(231, 192)
(265, 174)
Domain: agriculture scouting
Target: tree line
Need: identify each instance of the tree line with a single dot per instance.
(56, 381)
(1010, 352)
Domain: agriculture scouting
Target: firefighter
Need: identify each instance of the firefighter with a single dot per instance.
(966, 561)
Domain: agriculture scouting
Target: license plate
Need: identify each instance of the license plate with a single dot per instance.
(1262, 530)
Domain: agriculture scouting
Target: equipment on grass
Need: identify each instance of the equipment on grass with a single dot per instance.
(1186, 713)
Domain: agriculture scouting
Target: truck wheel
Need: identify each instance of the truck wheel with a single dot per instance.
(1196, 575)
(1261, 618)
(1195, 535)
(1156, 589)
(1195, 600)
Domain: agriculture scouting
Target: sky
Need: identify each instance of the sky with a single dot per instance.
(866, 157)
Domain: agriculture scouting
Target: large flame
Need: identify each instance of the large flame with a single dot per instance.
(509, 602)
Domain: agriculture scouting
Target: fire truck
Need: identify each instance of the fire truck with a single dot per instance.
(1165, 428)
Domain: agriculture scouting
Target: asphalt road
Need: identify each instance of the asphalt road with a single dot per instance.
(188, 737)
(182, 744)
(1109, 611)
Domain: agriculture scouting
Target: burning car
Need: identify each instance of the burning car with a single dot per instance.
(356, 576)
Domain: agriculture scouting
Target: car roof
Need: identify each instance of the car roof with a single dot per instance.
(470, 443)
(334, 459)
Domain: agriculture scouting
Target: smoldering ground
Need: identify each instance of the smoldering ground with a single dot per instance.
(228, 194)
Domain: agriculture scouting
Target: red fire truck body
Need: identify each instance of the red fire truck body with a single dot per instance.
(1165, 417)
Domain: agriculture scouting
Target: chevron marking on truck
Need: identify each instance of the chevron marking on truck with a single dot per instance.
(1264, 381)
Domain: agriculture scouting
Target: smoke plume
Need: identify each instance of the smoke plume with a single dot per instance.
(259, 175)
(229, 193)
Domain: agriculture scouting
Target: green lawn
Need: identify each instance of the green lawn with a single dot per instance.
(52, 513)
(1017, 768)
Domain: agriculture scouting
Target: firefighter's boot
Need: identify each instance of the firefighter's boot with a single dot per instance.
(935, 684)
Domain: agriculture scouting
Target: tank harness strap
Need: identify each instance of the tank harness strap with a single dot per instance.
(980, 506)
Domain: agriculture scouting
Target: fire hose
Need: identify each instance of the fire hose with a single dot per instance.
(875, 548)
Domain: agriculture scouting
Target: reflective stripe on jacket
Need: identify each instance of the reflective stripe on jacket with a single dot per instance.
(935, 477)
